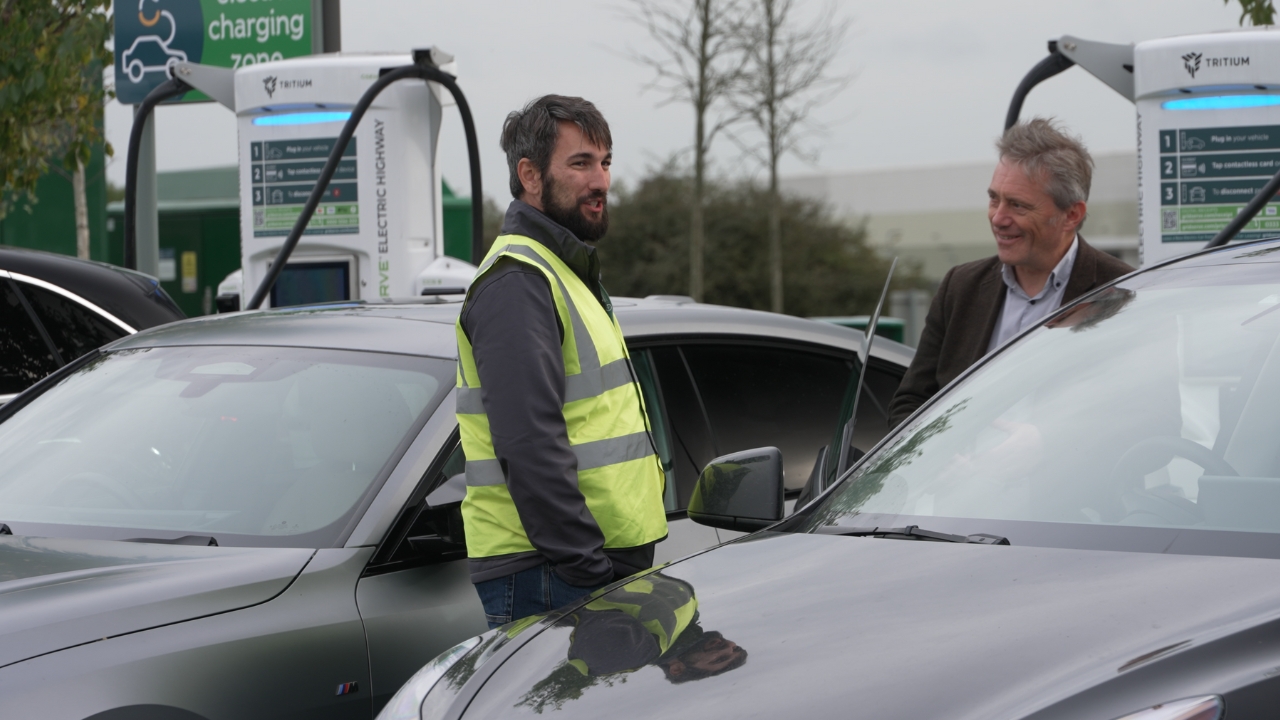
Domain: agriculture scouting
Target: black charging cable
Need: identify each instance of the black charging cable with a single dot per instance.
(170, 88)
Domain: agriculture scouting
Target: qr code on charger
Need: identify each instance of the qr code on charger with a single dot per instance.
(1170, 219)
(260, 217)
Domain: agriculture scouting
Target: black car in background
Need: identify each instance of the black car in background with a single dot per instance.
(56, 308)
(1084, 526)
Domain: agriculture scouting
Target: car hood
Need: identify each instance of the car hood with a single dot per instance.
(813, 625)
(58, 592)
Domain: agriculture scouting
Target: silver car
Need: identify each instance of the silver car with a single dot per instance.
(250, 515)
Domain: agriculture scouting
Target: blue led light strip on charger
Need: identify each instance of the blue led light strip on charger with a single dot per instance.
(1222, 102)
(302, 118)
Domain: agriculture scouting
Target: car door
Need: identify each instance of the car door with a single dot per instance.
(415, 596)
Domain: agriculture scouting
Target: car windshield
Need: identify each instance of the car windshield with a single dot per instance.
(248, 445)
(1143, 419)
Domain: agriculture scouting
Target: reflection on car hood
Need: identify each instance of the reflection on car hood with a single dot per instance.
(875, 628)
(58, 592)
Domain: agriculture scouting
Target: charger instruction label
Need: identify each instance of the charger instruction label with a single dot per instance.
(283, 174)
(1208, 175)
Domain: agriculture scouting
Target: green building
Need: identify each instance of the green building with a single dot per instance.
(200, 232)
(50, 222)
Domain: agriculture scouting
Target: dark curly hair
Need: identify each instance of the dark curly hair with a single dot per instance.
(532, 132)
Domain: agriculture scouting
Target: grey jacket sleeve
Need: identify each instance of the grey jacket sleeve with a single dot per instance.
(515, 334)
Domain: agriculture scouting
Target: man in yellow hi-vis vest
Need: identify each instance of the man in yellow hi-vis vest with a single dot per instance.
(564, 488)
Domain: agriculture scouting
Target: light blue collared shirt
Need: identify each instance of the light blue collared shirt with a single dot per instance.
(1021, 311)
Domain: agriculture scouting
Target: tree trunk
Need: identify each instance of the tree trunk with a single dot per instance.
(697, 236)
(697, 231)
(82, 212)
(775, 239)
(771, 109)
(697, 228)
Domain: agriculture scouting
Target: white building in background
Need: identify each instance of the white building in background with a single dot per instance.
(937, 216)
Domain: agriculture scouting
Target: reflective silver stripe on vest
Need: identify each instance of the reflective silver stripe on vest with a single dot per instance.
(590, 455)
(612, 451)
(469, 402)
(484, 472)
(590, 383)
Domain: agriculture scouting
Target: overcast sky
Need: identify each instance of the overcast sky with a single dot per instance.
(932, 79)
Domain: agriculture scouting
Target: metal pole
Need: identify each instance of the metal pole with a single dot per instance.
(332, 10)
(147, 259)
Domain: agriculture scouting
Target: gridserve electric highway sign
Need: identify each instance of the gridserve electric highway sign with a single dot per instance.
(223, 33)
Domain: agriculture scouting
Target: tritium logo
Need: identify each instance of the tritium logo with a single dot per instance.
(271, 83)
(1191, 61)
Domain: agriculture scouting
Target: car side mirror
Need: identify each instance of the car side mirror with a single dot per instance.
(437, 534)
(741, 491)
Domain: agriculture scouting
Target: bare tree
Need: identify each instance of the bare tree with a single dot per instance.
(701, 63)
(785, 80)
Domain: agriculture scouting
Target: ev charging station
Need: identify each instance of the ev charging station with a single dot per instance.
(1208, 124)
(376, 228)
(377, 232)
(1208, 137)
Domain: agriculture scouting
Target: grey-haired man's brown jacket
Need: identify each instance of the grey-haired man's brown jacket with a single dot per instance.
(964, 314)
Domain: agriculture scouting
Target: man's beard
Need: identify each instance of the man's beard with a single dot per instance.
(570, 216)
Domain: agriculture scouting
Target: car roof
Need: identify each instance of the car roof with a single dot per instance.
(133, 297)
(426, 327)
(1266, 250)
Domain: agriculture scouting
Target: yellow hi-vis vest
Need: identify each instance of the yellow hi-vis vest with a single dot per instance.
(618, 473)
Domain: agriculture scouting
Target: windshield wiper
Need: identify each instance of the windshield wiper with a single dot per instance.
(199, 540)
(914, 532)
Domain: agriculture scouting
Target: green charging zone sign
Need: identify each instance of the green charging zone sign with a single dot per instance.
(1206, 180)
(223, 33)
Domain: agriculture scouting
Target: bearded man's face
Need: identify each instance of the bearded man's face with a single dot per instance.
(575, 187)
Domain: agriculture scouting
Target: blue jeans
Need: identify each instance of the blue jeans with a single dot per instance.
(528, 592)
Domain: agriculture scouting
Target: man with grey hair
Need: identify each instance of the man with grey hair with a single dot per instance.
(564, 487)
(1037, 203)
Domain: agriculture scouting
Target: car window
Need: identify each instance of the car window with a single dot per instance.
(426, 532)
(873, 412)
(692, 443)
(1143, 419)
(74, 329)
(756, 396)
(252, 445)
(25, 357)
(659, 425)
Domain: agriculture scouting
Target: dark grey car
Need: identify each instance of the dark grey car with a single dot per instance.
(1084, 526)
(248, 516)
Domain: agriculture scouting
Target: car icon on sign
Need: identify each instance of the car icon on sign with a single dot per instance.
(149, 53)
